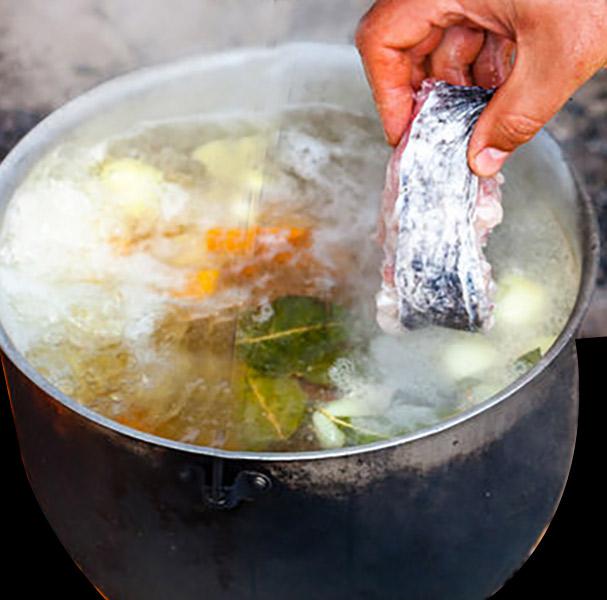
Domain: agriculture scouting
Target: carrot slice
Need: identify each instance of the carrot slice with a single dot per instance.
(222, 240)
(231, 241)
(200, 284)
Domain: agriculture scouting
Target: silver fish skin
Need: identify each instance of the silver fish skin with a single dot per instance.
(436, 218)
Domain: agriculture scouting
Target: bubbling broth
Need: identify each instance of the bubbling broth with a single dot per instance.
(212, 281)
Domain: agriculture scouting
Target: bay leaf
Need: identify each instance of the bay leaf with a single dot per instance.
(318, 373)
(528, 360)
(272, 408)
(302, 336)
(355, 435)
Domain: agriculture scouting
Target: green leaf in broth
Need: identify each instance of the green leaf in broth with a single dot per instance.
(528, 360)
(355, 435)
(272, 408)
(353, 359)
(303, 336)
(318, 373)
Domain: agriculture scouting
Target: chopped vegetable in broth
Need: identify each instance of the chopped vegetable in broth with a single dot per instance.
(213, 282)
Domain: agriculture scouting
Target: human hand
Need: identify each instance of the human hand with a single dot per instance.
(559, 45)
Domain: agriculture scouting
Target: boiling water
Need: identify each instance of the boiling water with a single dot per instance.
(136, 273)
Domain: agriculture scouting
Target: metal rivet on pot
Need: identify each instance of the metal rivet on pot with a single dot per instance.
(261, 482)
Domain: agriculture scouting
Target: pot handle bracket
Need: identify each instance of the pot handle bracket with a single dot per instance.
(246, 486)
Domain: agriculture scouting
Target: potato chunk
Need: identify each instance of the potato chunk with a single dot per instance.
(520, 301)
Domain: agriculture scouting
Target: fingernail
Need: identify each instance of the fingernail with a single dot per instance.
(489, 161)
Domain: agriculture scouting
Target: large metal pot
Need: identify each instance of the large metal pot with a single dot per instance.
(448, 512)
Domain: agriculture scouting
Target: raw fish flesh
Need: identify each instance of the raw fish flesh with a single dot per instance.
(436, 218)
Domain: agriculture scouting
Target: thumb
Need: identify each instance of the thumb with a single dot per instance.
(530, 97)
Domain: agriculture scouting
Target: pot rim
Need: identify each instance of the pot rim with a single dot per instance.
(70, 115)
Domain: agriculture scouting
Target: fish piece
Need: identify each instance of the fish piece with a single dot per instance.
(436, 218)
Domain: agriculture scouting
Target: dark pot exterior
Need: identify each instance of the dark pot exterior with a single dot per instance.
(448, 516)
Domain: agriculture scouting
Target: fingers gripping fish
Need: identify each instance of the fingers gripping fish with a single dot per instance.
(436, 218)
